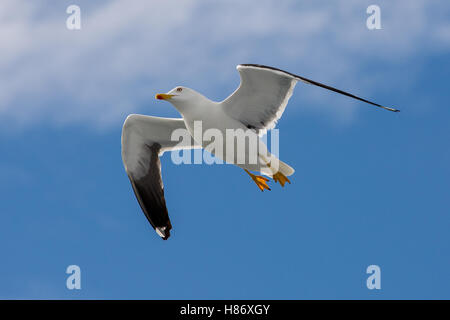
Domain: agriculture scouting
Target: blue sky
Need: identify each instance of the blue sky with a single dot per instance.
(371, 187)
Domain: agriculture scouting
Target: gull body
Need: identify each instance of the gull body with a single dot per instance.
(256, 106)
(196, 108)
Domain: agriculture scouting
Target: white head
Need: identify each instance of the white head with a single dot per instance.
(181, 98)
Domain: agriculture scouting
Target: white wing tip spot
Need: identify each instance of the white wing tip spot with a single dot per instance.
(161, 231)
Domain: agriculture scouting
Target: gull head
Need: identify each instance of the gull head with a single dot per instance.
(181, 98)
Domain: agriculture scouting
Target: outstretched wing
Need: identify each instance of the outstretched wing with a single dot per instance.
(264, 93)
(144, 138)
(261, 97)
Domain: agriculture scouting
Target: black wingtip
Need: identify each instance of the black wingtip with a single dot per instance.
(166, 235)
(163, 232)
(390, 109)
(318, 84)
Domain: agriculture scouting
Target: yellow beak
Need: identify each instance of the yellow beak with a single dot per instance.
(163, 96)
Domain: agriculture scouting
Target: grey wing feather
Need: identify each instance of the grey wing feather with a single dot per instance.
(264, 92)
(261, 97)
(144, 138)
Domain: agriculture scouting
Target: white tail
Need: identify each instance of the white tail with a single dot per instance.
(285, 169)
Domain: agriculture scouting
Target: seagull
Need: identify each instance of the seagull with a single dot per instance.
(255, 106)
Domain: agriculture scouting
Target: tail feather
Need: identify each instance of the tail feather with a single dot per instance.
(285, 169)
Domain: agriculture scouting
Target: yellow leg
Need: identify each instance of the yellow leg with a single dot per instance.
(279, 177)
(260, 181)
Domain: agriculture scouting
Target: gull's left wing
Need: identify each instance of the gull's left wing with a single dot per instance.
(264, 93)
(261, 97)
(144, 139)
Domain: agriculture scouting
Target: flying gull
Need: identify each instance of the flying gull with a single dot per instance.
(255, 107)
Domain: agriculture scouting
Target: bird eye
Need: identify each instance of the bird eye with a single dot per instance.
(179, 89)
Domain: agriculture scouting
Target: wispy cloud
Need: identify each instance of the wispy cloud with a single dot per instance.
(124, 53)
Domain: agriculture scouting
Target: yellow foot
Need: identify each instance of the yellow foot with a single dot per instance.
(260, 181)
(281, 178)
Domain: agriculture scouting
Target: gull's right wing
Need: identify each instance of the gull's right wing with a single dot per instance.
(144, 138)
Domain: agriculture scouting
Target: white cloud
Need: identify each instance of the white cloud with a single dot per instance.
(127, 52)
